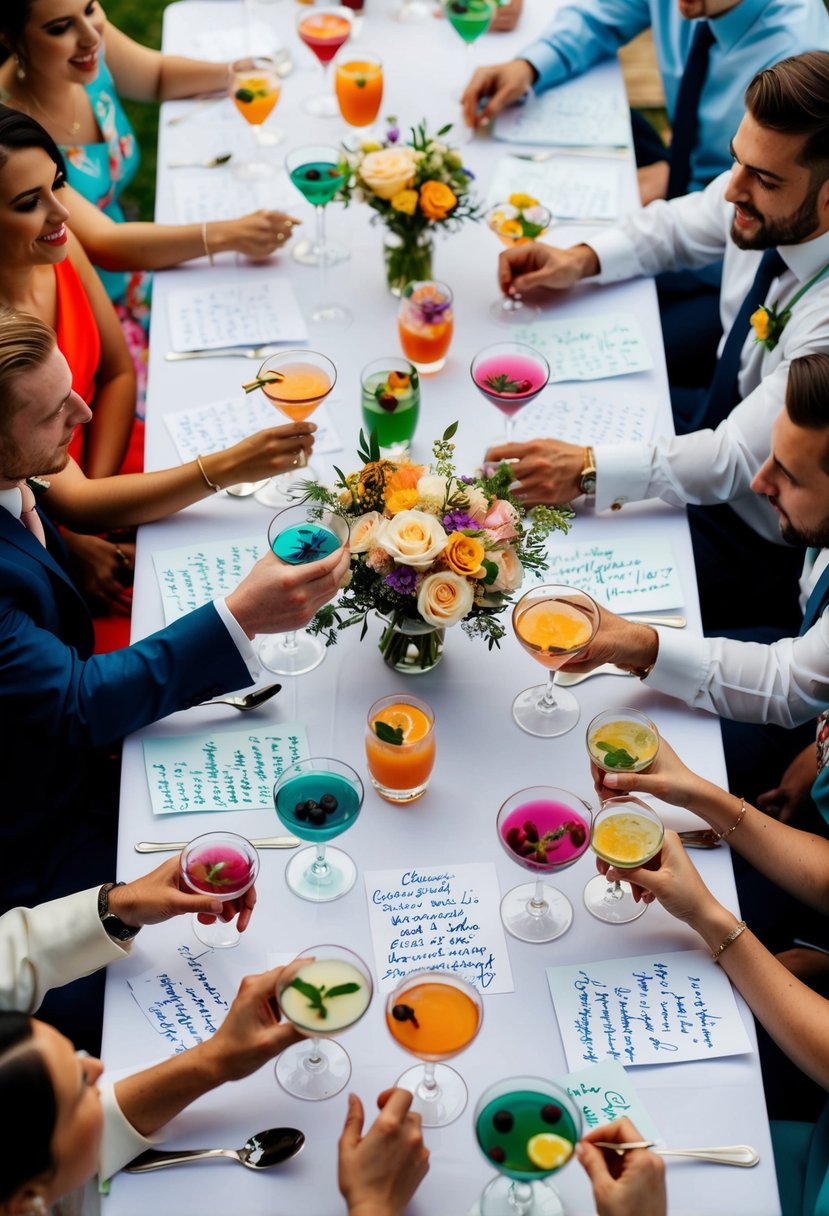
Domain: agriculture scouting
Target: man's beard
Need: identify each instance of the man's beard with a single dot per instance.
(789, 231)
(15, 465)
(815, 538)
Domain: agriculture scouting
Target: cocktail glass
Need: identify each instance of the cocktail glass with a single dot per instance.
(469, 19)
(358, 84)
(400, 747)
(509, 375)
(434, 1015)
(425, 323)
(300, 534)
(318, 172)
(324, 30)
(554, 624)
(625, 833)
(224, 866)
(622, 741)
(519, 220)
(255, 89)
(413, 10)
(527, 1127)
(544, 829)
(322, 992)
(391, 403)
(319, 799)
(295, 381)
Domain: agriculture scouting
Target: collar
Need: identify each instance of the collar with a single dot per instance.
(806, 259)
(729, 28)
(11, 500)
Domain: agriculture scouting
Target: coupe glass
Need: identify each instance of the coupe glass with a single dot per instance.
(255, 88)
(319, 799)
(391, 403)
(425, 323)
(318, 172)
(554, 624)
(324, 30)
(544, 829)
(625, 833)
(223, 865)
(434, 1015)
(509, 375)
(322, 978)
(527, 1127)
(622, 741)
(515, 224)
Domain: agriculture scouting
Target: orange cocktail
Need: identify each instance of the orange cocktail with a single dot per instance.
(358, 84)
(302, 387)
(551, 629)
(425, 323)
(400, 747)
(255, 97)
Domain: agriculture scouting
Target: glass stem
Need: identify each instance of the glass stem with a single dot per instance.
(289, 642)
(520, 1198)
(323, 256)
(428, 1089)
(614, 891)
(509, 428)
(537, 904)
(314, 1059)
(548, 702)
(320, 865)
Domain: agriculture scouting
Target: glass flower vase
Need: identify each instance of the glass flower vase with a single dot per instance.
(411, 647)
(407, 259)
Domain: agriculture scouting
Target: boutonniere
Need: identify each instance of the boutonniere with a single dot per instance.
(768, 324)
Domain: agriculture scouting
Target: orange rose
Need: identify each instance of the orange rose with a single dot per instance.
(401, 500)
(464, 555)
(436, 200)
(404, 477)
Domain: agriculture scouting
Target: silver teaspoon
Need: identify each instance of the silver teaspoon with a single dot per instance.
(213, 162)
(725, 1154)
(261, 1152)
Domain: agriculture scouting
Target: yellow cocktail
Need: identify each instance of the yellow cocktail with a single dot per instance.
(625, 833)
(622, 741)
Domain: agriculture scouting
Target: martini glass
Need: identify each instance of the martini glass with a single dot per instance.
(324, 30)
(300, 534)
(434, 1015)
(516, 223)
(625, 833)
(322, 992)
(509, 375)
(319, 799)
(554, 624)
(469, 19)
(318, 172)
(544, 829)
(225, 866)
(254, 89)
(527, 1127)
(295, 381)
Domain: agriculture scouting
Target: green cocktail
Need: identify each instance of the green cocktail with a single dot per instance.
(470, 18)
(391, 403)
(318, 181)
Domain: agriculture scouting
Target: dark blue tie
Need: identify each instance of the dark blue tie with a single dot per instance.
(686, 111)
(723, 393)
(817, 601)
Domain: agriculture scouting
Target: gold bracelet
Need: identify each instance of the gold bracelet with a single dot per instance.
(739, 928)
(736, 823)
(212, 484)
(207, 252)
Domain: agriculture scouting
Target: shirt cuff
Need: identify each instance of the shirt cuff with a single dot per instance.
(616, 254)
(239, 638)
(681, 666)
(623, 474)
(120, 1142)
(547, 62)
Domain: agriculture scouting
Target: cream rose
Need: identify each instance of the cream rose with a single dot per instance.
(510, 574)
(444, 599)
(412, 538)
(362, 531)
(388, 172)
(433, 490)
(477, 504)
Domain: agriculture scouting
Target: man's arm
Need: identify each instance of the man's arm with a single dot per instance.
(583, 34)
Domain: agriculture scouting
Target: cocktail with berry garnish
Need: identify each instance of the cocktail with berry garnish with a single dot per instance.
(527, 1127)
(425, 323)
(319, 172)
(255, 89)
(469, 19)
(391, 403)
(225, 866)
(318, 799)
(509, 375)
(544, 829)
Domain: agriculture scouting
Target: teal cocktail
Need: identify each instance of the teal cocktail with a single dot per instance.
(319, 799)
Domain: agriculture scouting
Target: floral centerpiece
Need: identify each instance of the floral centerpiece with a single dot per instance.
(429, 549)
(414, 188)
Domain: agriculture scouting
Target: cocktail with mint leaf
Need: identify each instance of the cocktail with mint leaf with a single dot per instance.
(223, 865)
(509, 375)
(622, 741)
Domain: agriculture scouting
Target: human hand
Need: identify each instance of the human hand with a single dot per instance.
(277, 598)
(533, 266)
(618, 641)
(257, 235)
(506, 16)
(497, 86)
(544, 470)
(103, 570)
(381, 1170)
(653, 181)
(252, 1032)
(666, 778)
(265, 454)
(161, 895)
(632, 1184)
(792, 794)
(675, 882)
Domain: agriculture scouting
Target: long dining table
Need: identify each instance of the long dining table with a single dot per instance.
(482, 756)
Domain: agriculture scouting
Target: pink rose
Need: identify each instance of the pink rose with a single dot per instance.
(501, 520)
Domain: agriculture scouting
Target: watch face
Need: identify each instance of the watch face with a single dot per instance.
(588, 483)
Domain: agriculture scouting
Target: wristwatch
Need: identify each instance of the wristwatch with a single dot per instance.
(114, 926)
(587, 477)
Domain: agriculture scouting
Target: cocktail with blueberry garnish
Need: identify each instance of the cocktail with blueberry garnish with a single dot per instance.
(544, 829)
(319, 172)
(319, 799)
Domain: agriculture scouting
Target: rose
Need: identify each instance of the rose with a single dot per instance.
(401, 500)
(761, 323)
(510, 574)
(413, 538)
(433, 491)
(405, 201)
(500, 520)
(436, 200)
(444, 599)
(388, 172)
(464, 555)
(363, 531)
(477, 503)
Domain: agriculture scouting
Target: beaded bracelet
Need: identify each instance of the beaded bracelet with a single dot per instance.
(212, 484)
(736, 823)
(727, 941)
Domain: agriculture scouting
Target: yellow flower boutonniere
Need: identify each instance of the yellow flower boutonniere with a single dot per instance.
(768, 325)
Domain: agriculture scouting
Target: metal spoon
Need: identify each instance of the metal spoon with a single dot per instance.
(261, 1152)
(244, 489)
(212, 162)
(175, 846)
(251, 700)
(565, 679)
(603, 152)
(726, 1154)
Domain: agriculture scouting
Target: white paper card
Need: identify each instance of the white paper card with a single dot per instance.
(567, 187)
(190, 578)
(203, 195)
(247, 312)
(652, 1009)
(604, 1093)
(589, 348)
(187, 1001)
(442, 918)
(221, 770)
(220, 424)
(583, 416)
(232, 42)
(636, 574)
(575, 114)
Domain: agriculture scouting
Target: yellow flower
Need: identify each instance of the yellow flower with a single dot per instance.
(761, 323)
(510, 228)
(401, 500)
(464, 555)
(436, 200)
(522, 200)
(405, 201)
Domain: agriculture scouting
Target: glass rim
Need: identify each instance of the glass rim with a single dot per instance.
(440, 976)
(268, 61)
(312, 954)
(556, 789)
(299, 352)
(241, 842)
(616, 804)
(408, 288)
(383, 364)
(316, 11)
(359, 55)
(534, 591)
(402, 699)
(622, 714)
(351, 774)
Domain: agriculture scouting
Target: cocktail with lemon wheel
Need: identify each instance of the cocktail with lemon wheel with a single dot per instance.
(519, 220)
(554, 624)
(255, 89)
(626, 833)
(622, 741)
(324, 31)
(528, 1128)
(400, 747)
(358, 84)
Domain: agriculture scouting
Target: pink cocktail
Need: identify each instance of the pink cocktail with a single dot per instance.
(225, 866)
(509, 375)
(545, 834)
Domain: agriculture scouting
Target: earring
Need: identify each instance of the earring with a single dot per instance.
(20, 70)
(38, 1206)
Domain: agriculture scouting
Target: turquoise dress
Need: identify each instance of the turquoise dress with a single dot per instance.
(801, 1155)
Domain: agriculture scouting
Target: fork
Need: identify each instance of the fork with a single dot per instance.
(223, 352)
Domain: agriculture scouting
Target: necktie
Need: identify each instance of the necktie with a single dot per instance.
(724, 392)
(818, 598)
(29, 516)
(686, 112)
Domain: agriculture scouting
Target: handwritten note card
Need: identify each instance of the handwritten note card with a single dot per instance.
(258, 309)
(589, 348)
(604, 1093)
(632, 575)
(187, 1001)
(443, 918)
(221, 771)
(569, 188)
(576, 114)
(189, 577)
(215, 194)
(648, 1010)
(220, 424)
(582, 416)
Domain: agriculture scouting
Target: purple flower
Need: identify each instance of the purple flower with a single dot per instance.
(459, 521)
(402, 579)
(393, 134)
(431, 311)
(467, 481)
(468, 173)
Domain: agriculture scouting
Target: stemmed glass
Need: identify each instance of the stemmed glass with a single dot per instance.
(223, 865)
(527, 1127)
(318, 799)
(622, 741)
(625, 833)
(516, 223)
(322, 992)
(469, 19)
(554, 624)
(324, 30)
(434, 1015)
(318, 172)
(298, 535)
(255, 89)
(509, 375)
(544, 829)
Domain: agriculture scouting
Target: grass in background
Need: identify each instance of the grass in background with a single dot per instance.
(141, 20)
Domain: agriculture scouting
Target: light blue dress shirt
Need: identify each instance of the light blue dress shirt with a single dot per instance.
(748, 38)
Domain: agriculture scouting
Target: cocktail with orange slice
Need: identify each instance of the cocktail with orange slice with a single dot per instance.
(400, 747)
(358, 84)
(519, 220)
(554, 624)
(255, 89)
(324, 31)
(425, 323)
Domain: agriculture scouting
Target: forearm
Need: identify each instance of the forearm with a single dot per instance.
(180, 77)
(144, 246)
(107, 435)
(151, 1098)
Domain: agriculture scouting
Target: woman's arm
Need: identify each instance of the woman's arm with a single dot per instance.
(142, 74)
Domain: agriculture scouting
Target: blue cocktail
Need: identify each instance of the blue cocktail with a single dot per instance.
(319, 799)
